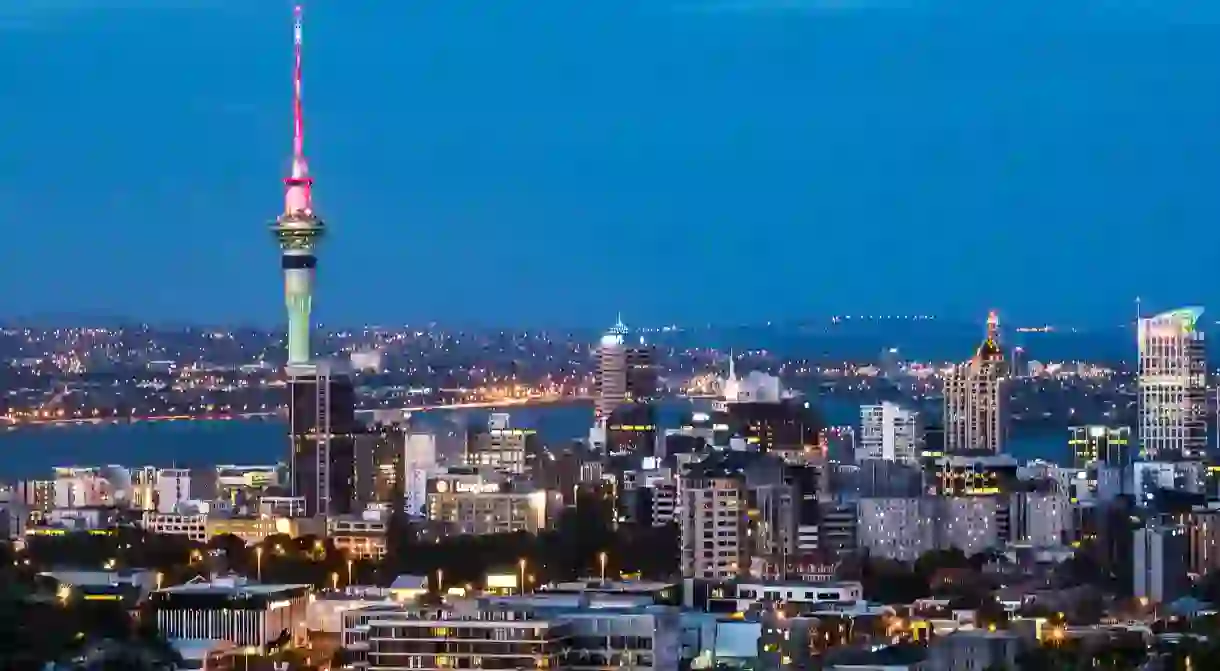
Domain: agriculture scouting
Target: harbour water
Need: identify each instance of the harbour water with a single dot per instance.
(33, 452)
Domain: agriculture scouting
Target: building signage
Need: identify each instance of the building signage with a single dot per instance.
(460, 487)
(477, 487)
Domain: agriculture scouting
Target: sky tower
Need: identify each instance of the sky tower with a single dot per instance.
(298, 229)
(321, 399)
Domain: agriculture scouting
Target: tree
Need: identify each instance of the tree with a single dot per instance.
(991, 613)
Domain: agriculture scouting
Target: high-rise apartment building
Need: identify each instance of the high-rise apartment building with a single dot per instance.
(1172, 386)
(974, 398)
(713, 522)
(735, 508)
(889, 432)
(902, 529)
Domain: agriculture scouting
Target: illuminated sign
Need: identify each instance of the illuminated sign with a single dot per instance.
(459, 487)
(477, 487)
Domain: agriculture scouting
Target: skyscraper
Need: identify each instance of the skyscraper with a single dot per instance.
(625, 373)
(610, 378)
(974, 400)
(1172, 386)
(322, 431)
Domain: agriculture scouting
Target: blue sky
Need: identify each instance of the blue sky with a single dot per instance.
(548, 162)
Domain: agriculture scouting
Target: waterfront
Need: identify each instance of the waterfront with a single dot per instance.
(32, 452)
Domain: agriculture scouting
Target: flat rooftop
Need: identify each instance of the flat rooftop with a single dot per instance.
(206, 588)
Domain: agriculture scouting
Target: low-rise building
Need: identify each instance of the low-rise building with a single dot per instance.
(232, 609)
(359, 536)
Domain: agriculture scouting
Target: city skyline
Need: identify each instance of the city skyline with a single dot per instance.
(432, 153)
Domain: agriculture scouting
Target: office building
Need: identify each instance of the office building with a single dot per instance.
(567, 626)
(1096, 444)
(743, 595)
(984, 475)
(610, 375)
(380, 466)
(889, 432)
(632, 430)
(974, 398)
(1172, 386)
(501, 447)
(253, 530)
(1162, 553)
(445, 639)
(625, 372)
(359, 536)
(877, 478)
(788, 425)
(231, 609)
(465, 501)
(193, 526)
(322, 427)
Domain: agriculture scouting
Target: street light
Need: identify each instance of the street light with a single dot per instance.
(521, 570)
(601, 559)
(440, 581)
(349, 571)
(334, 581)
(160, 578)
(258, 560)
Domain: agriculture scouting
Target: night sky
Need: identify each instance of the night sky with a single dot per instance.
(552, 162)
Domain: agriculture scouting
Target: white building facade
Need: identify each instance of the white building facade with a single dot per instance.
(890, 432)
(1172, 386)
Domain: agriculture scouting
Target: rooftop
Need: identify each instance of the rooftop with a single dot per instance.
(230, 586)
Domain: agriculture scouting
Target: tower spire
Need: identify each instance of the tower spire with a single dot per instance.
(993, 326)
(297, 197)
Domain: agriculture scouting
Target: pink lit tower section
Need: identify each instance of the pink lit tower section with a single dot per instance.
(299, 229)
